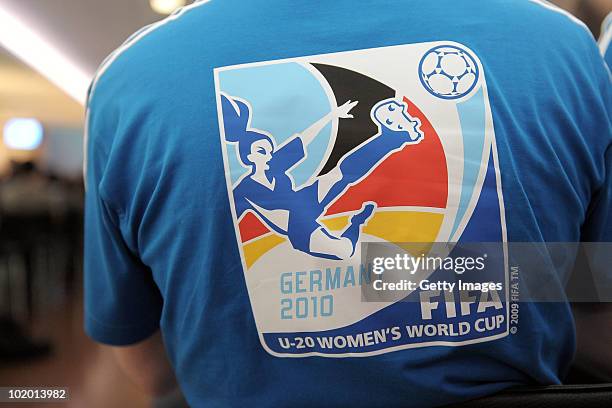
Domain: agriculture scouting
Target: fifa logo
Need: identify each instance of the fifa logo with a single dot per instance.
(327, 152)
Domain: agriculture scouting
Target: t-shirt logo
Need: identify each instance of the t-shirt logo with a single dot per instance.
(326, 152)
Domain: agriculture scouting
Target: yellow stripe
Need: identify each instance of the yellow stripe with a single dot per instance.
(404, 226)
(255, 249)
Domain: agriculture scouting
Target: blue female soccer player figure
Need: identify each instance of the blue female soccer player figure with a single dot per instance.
(268, 190)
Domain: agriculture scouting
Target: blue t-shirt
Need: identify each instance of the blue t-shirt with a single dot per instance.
(488, 121)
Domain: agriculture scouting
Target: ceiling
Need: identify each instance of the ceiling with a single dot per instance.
(85, 31)
(25, 93)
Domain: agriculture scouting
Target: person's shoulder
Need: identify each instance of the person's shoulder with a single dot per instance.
(152, 77)
(544, 17)
(554, 37)
(549, 12)
(537, 26)
(136, 68)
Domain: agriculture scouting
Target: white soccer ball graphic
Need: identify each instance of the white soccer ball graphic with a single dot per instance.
(448, 72)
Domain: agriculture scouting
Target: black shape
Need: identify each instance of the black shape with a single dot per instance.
(351, 85)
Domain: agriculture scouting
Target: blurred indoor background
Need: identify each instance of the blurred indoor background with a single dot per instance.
(49, 51)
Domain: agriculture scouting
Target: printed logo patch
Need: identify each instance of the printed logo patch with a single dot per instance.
(327, 152)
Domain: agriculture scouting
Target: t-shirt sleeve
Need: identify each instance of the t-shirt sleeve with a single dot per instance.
(122, 303)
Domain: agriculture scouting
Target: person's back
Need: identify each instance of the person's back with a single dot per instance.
(230, 182)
